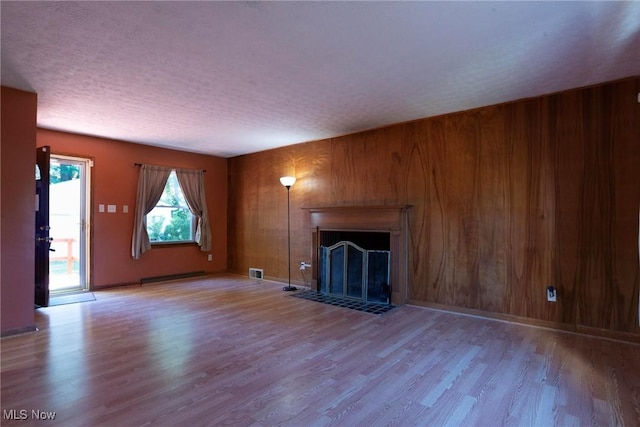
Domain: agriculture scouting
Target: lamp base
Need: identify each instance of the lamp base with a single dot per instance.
(289, 288)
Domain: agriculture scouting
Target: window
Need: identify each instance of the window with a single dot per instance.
(171, 221)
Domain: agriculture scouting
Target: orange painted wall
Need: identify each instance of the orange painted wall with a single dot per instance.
(17, 209)
(114, 182)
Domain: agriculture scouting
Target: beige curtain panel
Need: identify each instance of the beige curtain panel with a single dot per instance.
(151, 183)
(192, 185)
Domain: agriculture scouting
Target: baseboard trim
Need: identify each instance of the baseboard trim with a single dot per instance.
(558, 326)
(605, 333)
(169, 277)
(19, 331)
(114, 285)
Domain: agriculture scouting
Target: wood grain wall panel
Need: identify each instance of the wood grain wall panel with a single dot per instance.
(517, 148)
(349, 174)
(426, 257)
(310, 164)
(258, 207)
(531, 209)
(363, 167)
(569, 172)
(506, 200)
(607, 277)
(461, 219)
(596, 202)
(625, 112)
(492, 199)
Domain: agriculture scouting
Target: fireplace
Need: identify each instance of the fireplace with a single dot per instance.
(374, 238)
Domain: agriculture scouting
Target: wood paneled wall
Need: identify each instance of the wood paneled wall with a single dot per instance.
(507, 200)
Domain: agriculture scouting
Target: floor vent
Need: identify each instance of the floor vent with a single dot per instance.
(256, 273)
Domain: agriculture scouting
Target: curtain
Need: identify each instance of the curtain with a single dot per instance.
(192, 185)
(151, 183)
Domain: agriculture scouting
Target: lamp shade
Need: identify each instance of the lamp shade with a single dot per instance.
(288, 181)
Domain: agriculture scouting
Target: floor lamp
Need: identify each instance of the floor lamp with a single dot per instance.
(288, 181)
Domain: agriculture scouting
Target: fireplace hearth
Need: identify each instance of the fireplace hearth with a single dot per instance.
(377, 309)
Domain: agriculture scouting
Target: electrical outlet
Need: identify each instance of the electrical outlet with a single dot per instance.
(551, 294)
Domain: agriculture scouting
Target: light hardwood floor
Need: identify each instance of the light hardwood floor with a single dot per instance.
(227, 350)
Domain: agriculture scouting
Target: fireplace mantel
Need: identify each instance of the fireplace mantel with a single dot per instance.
(391, 219)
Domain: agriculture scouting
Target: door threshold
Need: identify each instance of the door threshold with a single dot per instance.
(69, 291)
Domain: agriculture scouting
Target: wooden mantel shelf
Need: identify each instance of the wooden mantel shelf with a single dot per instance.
(358, 208)
(392, 219)
(358, 217)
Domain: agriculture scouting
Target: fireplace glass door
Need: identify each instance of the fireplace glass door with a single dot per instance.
(347, 270)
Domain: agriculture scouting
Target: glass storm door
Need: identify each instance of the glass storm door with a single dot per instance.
(69, 219)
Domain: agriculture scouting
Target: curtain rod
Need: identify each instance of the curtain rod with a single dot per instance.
(140, 164)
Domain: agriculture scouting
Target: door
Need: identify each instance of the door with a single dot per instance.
(43, 241)
(69, 220)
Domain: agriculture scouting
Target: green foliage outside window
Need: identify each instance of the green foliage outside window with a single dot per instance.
(63, 172)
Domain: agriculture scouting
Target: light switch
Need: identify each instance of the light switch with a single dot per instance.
(125, 209)
(100, 208)
(111, 208)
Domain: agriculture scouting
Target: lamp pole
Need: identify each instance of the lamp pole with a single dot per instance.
(288, 181)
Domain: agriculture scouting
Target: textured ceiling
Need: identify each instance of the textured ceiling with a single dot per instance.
(229, 78)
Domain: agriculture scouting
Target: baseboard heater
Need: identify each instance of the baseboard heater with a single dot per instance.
(167, 277)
